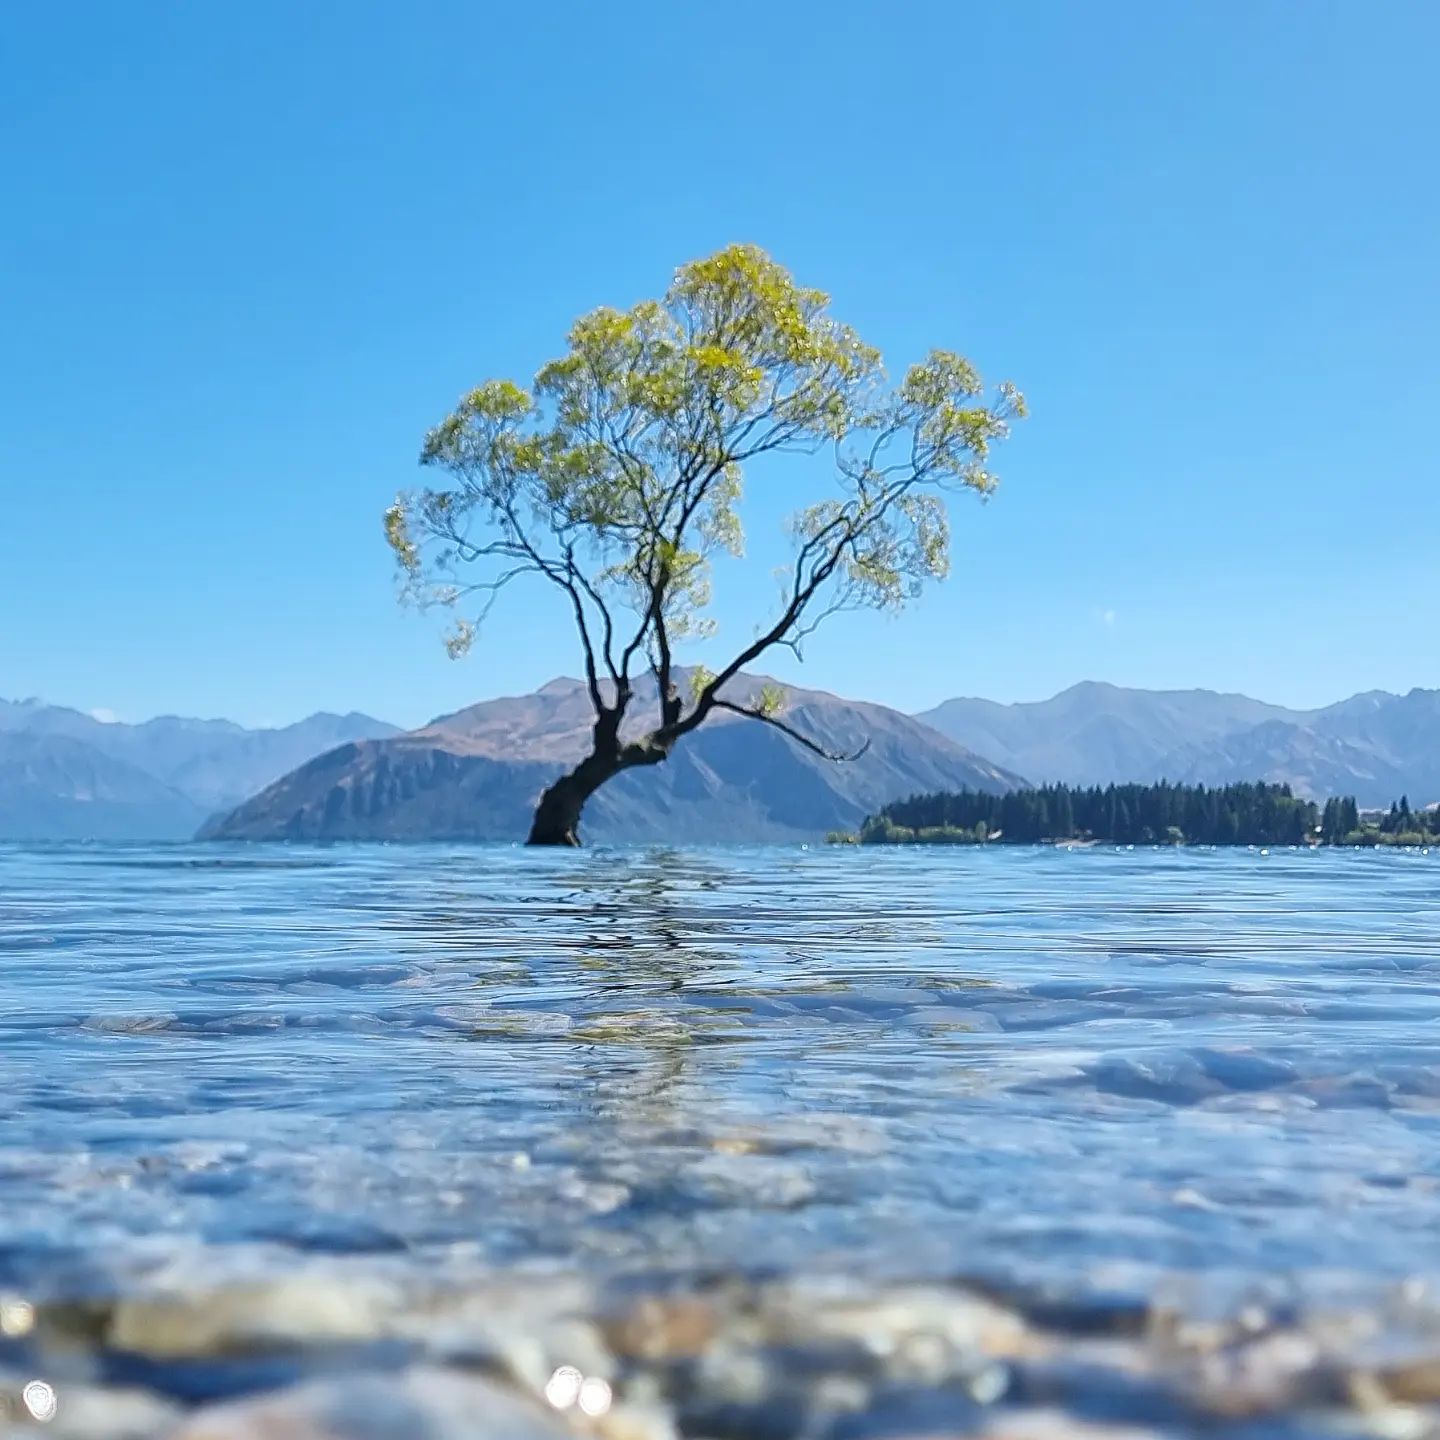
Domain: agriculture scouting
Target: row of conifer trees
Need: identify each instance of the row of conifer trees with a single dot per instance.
(1163, 813)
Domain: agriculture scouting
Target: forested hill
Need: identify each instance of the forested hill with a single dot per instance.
(1243, 814)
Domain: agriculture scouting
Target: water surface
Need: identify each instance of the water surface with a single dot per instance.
(1090, 1086)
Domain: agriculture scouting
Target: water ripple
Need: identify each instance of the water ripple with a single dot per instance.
(1032, 1068)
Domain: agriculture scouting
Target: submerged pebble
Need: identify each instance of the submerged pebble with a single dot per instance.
(429, 1403)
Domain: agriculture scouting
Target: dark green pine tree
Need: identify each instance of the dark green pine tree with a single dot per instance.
(1062, 814)
(1349, 816)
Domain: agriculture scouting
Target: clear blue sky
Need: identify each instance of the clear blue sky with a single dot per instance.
(251, 251)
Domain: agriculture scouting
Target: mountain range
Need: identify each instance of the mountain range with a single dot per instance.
(1376, 746)
(65, 775)
(475, 775)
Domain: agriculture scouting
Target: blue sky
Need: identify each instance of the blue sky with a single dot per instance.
(251, 252)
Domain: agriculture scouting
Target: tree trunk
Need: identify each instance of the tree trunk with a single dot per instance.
(557, 816)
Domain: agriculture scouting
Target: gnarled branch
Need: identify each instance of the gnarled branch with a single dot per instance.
(790, 730)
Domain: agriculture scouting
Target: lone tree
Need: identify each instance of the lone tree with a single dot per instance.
(618, 477)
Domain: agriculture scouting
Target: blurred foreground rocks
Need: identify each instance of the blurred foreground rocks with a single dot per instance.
(328, 1352)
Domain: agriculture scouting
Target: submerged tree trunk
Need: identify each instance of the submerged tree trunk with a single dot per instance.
(557, 816)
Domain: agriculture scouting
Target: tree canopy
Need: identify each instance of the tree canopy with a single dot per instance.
(618, 477)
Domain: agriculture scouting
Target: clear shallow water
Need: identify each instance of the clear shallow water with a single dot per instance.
(1090, 1085)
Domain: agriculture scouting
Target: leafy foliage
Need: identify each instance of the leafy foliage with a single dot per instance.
(618, 476)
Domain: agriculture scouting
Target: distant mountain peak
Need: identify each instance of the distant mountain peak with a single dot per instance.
(1109, 688)
(1088, 687)
(333, 715)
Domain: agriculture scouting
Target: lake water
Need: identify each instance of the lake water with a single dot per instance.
(771, 1142)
